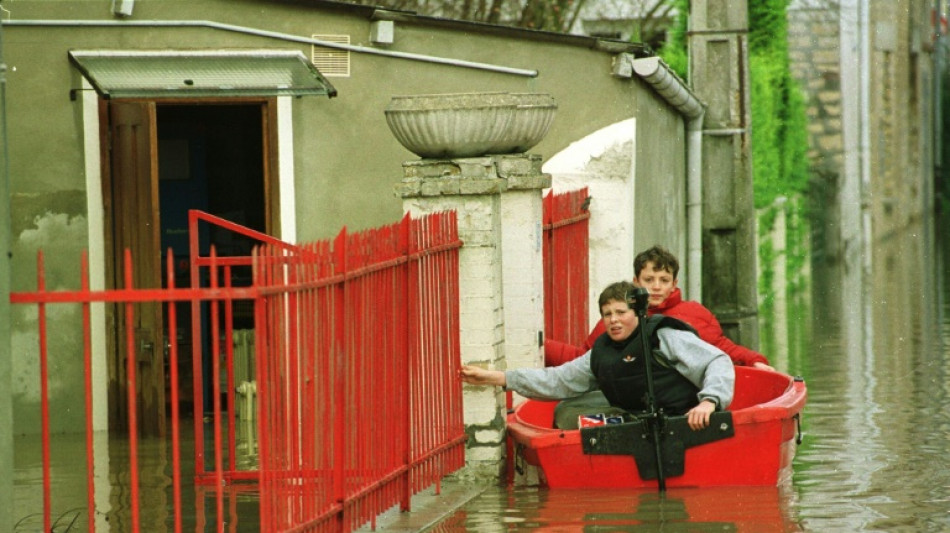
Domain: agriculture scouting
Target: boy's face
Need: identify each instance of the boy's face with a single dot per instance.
(619, 319)
(659, 283)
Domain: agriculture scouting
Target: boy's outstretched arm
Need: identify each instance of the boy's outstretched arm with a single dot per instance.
(475, 375)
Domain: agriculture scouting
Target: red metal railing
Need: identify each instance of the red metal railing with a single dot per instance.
(337, 443)
(566, 278)
(359, 405)
(216, 273)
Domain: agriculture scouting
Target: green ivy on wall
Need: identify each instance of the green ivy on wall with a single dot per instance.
(779, 124)
(674, 52)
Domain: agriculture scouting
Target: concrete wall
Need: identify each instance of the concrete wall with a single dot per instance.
(719, 73)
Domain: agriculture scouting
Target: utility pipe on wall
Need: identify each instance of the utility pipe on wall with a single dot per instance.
(655, 72)
(273, 35)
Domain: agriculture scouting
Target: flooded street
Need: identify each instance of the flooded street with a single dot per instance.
(875, 455)
(876, 451)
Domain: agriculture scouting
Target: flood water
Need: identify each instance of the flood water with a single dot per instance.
(874, 349)
(875, 353)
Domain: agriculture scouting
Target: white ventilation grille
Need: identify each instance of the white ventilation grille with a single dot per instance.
(331, 62)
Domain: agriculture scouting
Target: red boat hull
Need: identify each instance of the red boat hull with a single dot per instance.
(766, 412)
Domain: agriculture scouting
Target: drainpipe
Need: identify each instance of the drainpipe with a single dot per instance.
(675, 91)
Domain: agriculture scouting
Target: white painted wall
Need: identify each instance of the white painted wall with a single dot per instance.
(604, 161)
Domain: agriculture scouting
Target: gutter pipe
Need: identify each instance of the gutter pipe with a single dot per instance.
(273, 35)
(675, 91)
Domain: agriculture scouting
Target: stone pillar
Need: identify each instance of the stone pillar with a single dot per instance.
(522, 213)
(493, 224)
(522, 261)
(719, 73)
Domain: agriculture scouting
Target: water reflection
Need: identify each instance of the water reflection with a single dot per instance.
(720, 509)
(201, 506)
(875, 454)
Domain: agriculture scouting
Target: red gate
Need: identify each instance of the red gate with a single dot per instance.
(566, 278)
(357, 353)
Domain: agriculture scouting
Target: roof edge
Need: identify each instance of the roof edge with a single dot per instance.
(371, 12)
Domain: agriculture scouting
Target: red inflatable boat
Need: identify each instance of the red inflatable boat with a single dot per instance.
(751, 444)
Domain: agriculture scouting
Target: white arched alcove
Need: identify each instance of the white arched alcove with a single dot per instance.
(604, 162)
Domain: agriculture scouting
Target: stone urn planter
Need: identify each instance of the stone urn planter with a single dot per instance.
(448, 126)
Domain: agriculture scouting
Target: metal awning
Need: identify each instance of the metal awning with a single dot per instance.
(200, 73)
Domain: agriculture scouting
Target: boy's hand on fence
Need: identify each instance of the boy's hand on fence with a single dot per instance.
(479, 376)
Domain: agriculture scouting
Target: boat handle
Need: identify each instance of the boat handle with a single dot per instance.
(798, 424)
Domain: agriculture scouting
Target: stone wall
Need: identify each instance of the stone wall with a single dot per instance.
(813, 45)
(867, 73)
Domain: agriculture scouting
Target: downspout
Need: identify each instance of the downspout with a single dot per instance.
(694, 205)
(273, 35)
(675, 91)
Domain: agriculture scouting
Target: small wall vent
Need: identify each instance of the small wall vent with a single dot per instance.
(331, 62)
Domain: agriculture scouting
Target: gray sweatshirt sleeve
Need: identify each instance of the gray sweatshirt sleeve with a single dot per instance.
(706, 366)
(553, 383)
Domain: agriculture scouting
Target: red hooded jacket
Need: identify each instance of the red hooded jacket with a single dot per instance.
(693, 313)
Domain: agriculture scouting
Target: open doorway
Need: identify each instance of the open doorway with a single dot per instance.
(167, 158)
(211, 157)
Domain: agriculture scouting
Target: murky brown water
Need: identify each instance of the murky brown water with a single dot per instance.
(875, 457)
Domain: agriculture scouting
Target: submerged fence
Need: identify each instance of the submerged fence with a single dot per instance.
(356, 353)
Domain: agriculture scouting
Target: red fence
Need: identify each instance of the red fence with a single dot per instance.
(566, 278)
(356, 359)
(345, 437)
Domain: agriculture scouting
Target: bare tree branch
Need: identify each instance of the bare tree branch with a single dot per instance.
(551, 15)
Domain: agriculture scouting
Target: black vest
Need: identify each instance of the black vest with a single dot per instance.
(621, 373)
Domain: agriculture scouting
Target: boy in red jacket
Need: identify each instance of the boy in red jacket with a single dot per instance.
(656, 270)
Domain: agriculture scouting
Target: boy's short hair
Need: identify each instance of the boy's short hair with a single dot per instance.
(615, 292)
(661, 258)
